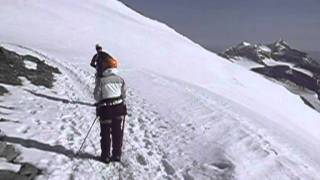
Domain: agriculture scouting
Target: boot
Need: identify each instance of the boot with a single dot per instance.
(106, 159)
(116, 158)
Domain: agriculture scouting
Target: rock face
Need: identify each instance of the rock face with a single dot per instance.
(8, 152)
(280, 62)
(3, 90)
(278, 51)
(13, 66)
(26, 171)
(256, 53)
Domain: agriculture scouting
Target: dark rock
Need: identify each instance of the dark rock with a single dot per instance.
(8, 151)
(307, 102)
(3, 90)
(9, 175)
(286, 73)
(26, 172)
(3, 146)
(12, 67)
(29, 171)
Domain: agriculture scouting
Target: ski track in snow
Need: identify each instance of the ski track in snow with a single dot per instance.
(198, 136)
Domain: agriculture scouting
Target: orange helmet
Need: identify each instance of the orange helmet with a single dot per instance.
(111, 63)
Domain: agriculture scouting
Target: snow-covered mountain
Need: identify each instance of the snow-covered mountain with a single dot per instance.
(295, 69)
(192, 114)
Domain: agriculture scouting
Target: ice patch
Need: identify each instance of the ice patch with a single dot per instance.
(4, 165)
(30, 65)
(246, 63)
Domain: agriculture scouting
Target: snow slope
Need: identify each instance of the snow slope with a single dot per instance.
(193, 115)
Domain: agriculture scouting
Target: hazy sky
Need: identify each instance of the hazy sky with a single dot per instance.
(221, 23)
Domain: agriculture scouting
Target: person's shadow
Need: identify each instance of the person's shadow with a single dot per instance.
(28, 143)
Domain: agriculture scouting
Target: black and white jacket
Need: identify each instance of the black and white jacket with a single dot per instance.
(110, 94)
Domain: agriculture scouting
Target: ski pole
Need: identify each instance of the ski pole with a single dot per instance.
(87, 135)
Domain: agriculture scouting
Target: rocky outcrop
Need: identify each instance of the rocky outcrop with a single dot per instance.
(255, 53)
(26, 172)
(8, 152)
(13, 67)
(281, 51)
(3, 90)
(286, 73)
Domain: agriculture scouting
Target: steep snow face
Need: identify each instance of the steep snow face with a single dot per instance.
(67, 31)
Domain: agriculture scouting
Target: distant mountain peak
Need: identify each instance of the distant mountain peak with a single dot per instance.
(244, 44)
(280, 62)
(279, 50)
(282, 42)
(280, 45)
(275, 53)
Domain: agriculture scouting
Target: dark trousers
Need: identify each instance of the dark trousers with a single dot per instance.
(109, 128)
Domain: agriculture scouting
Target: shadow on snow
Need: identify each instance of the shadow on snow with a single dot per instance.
(29, 143)
(66, 101)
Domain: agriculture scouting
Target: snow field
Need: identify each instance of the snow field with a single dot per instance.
(193, 114)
